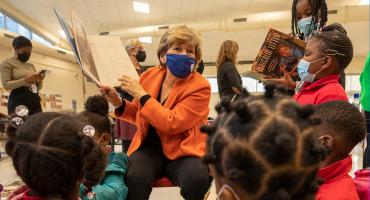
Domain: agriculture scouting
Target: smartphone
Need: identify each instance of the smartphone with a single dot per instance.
(44, 72)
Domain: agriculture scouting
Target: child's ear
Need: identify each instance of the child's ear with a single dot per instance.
(328, 60)
(105, 138)
(326, 141)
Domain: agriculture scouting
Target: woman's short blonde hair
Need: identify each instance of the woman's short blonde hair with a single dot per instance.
(179, 35)
(131, 44)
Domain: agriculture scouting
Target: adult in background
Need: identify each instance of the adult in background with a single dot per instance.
(228, 78)
(365, 103)
(136, 52)
(19, 76)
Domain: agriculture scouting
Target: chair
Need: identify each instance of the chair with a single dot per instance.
(163, 182)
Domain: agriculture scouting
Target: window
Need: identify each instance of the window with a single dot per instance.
(253, 85)
(353, 83)
(41, 40)
(1, 20)
(250, 84)
(213, 82)
(14, 26)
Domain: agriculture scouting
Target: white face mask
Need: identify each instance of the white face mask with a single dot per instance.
(225, 186)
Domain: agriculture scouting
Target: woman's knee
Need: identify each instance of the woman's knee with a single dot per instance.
(195, 185)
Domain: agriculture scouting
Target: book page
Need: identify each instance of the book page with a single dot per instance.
(111, 58)
(87, 62)
(69, 35)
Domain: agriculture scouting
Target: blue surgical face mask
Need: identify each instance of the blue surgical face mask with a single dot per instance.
(180, 65)
(303, 73)
(304, 26)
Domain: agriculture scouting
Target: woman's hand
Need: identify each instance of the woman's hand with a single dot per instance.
(34, 78)
(285, 80)
(132, 87)
(111, 95)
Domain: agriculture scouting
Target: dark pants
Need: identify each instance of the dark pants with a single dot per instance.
(23, 96)
(125, 145)
(147, 165)
(367, 150)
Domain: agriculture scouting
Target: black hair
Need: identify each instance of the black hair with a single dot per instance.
(266, 145)
(20, 42)
(318, 7)
(342, 118)
(334, 41)
(51, 155)
(200, 67)
(96, 114)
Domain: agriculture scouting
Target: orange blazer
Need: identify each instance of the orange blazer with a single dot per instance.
(177, 122)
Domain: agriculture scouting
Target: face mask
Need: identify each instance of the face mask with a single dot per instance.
(140, 56)
(304, 26)
(303, 73)
(180, 65)
(24, 57)
(230, 189)
(100, 138)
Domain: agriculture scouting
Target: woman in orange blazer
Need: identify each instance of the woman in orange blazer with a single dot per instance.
(171, 103)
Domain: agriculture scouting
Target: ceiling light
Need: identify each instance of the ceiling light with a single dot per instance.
(364, 2)
(141, 7)
(62, 34)
(145, 39)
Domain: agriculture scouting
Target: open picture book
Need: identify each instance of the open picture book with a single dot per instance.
(278, 50)
(102, 59)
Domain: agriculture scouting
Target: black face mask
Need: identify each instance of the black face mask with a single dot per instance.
(24, 57)
(140, 56)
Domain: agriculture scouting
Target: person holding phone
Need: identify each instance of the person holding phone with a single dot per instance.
(20, 77)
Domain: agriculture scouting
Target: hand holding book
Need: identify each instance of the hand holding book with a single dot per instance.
(286, 79)
(132, 87)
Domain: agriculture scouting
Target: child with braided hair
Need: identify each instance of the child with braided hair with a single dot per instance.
(308, 18)
(112, 186)
(326, 55)
(53, 156)
(264, 148)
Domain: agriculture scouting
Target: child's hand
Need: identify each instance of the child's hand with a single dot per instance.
(285, 80)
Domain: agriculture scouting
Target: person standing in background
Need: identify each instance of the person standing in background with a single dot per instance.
(135, 50)
(125, 130)
(365, 103)
(21, 78)
(228, 78)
